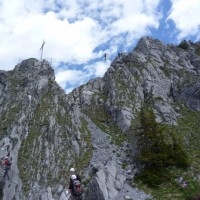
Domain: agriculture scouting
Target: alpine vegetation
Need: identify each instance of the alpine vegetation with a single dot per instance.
(132, 134)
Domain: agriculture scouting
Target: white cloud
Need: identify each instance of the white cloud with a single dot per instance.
(97, 69)
(134, 24)
(70, 78)
(73, 30)
(186, 16)
(64, 77)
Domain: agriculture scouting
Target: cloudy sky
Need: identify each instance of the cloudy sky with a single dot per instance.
(77, 33)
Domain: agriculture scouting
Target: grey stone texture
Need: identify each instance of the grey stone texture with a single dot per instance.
(41, 126)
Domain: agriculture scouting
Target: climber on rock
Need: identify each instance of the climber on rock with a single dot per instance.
(6, 165)
(75, 187)
(105, 56)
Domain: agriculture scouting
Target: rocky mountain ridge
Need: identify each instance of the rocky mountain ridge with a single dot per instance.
(46, 131)
(168, 71)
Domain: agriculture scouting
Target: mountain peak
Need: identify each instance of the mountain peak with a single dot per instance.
(146, 43)
(46, 132)
(33, 67)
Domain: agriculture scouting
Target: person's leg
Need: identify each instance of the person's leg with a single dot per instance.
(80, 197)
(8, 174)
(72, 197)
(75, 197)
(5, 173)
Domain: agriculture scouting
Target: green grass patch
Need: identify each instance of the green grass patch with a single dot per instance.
(188, 130)
(184, 45)
(86, 152)
(39, 138)
(9, 117)
(102, 119)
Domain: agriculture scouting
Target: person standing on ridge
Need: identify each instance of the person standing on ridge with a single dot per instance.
(7, 165)
(75, 187)
(105, 56)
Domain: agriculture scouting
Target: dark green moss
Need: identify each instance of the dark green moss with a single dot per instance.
(34, 145)
(9, 117)
(184, 45)
(197, 50)
(85, 153)
(188, 133)
(102, 119)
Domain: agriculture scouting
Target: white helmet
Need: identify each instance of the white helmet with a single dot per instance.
(72, 170)
(73, 177)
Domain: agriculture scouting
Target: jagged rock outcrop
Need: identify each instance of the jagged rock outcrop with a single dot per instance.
(46, 131)
(106, 168)
(170, 72)
(166, 74)
(37, 131)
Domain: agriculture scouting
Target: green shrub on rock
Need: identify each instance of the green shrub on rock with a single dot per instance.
(184, 45)
(157, 148)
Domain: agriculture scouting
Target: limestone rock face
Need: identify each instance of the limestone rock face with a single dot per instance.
(108, 177)
(36, 131)
(166, 72)
(46, 132)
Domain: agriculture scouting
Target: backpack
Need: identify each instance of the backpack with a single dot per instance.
(77, 187)
(8, 163)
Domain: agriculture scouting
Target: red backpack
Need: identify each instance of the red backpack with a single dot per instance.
(77, 188)
(7, 162)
